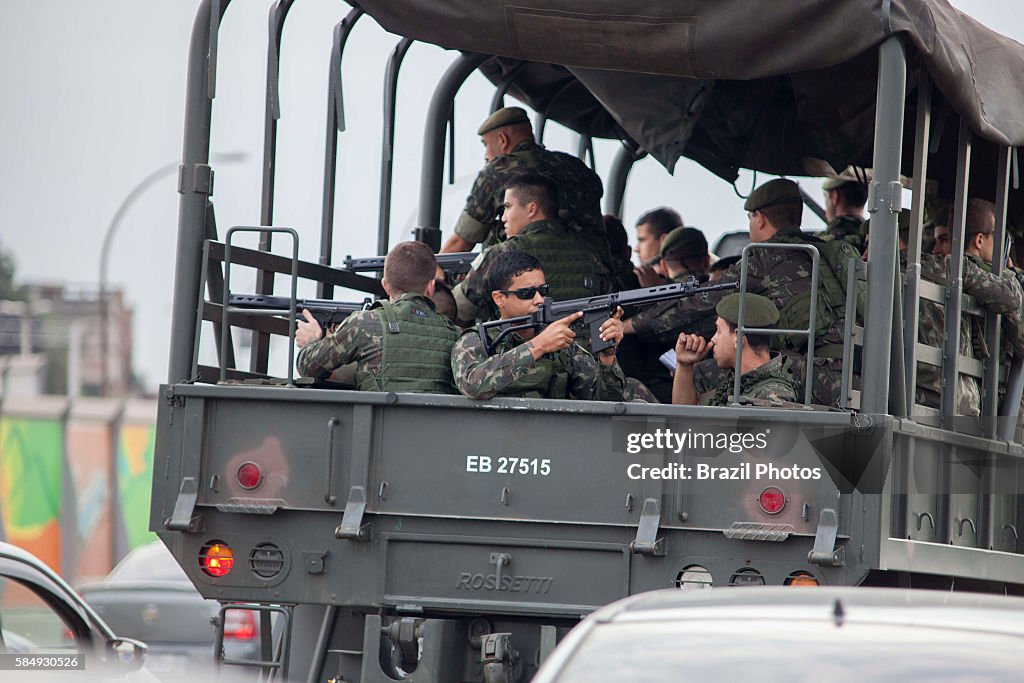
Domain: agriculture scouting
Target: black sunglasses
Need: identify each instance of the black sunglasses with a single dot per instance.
(526, 293)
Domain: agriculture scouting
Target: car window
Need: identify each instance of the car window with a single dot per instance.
(801, 652)
(149, 563)
(28, 624)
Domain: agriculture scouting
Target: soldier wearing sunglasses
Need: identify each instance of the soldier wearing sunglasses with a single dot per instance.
(530, 363)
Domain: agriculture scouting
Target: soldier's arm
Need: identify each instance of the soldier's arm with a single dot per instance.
(319, 358)
(456, 244)
(483, 205)
(590, 380)
(480, 376)
(669, 317)
(995, 293)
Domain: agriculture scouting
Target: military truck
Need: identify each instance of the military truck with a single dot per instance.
(435, 538)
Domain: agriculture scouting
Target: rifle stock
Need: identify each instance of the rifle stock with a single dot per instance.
(596, 310)
(325, 311)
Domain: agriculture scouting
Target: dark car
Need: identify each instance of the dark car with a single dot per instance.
(42, 616)
(795, 635)
(149, 596)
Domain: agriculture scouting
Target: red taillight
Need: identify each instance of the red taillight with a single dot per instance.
(249, 475)
(772, 500)
(216, 559)
(239, 624)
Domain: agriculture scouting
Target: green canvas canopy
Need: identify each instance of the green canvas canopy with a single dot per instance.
(775, 87)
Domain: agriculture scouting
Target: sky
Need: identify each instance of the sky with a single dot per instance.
(94, 99)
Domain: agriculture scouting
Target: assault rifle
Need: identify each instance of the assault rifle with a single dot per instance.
(325, 311)
(596, 310)
(454, 265)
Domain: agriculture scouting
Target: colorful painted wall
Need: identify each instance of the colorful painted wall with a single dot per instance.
(75, 479)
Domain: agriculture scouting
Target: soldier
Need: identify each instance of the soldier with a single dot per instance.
(444, 300)
(683, 254)
(774, 212)
(398, 345)
(764, 376)
(718, 268)
(571, 268)
(995, 294)
(651, 229)
(530, 363)
(623, 277)
(845, 197)
(510, 150)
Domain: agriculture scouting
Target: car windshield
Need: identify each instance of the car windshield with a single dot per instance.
(152, 562)
(796, 652)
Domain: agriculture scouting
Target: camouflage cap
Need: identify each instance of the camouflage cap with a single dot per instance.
(758, 311)
(684, 240)
(506, 116)
(778, 191)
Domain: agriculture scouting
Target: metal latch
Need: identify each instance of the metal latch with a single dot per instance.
(647, 541)
(183, 517)
(352, 526)
(502, 560)
(498, 658)
(825, 553)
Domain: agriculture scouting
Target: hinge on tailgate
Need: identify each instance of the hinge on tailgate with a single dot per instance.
(352, 526)
(647, 541)
(825, 553)
(183, 517)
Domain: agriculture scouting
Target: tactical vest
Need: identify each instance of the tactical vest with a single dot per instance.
(831, 305)
(549, 378)
(570, 268)
(416, 350)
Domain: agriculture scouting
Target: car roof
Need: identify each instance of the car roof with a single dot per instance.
(847, 604)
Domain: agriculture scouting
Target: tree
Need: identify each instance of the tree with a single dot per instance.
(8, 291)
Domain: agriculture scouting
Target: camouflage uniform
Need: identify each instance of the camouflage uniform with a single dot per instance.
(771, 382)
(997, 294)
(512, 371)
(784, 276)
(579, 196)
(570, 269)
(661, 323)
(639, 352)
(847, 229)
(382, 364)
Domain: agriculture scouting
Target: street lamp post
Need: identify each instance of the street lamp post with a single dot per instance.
(108, 239)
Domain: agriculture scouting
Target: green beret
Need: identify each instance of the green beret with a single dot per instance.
(837, 181)
(687, 241)
(758, 311)
(778, 191)
(507, 116)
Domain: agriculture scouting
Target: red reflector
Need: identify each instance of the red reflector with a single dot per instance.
(216, 559)
(249, 475)
(239, 624)
(772, 500)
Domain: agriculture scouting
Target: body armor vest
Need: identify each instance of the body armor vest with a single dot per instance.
(416, 350)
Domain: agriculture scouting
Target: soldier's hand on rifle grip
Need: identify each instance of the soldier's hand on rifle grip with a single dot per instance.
(691, 348)
(307, 330)
(555, 337)
(611, 331)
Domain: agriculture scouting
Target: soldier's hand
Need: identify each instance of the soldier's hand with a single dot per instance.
(611, 331)
(648, 276)
(555, 337)
(691, 348)
(307, 330)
